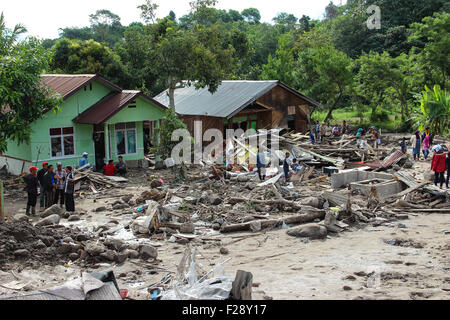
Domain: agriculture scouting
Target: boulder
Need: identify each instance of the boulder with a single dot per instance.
(223, 250)
(95, 249)
(127, 198)
(52, 219)
(132, 254)
(119, 206)
(100, 209)
(187, 227)
(140, 225)
(108, 255)
(82, 237)
(147, 251)
(74, 256)
(39, 244)
(74, 217)
(255, 226)
(54, 209)
(190, 200)
(115, 244)
(243, 178)
(121, 257)
(311, 231)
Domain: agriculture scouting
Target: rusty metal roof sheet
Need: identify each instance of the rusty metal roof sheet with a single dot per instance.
(392, 159)
(68, 84)
(110, 105)
(230, 98)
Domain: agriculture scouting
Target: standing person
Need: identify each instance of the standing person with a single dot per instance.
(447, 165)
(438, 165)
(260, 164)
(428, 133)
(84, 160)
(69, 188)
(415, 142)
(403, 145)
(312, 137)
(109, 169)
(336, 131)
(426, 146)
(286, 166)
(121, 166)
(317, 131)
(60, 176)
(49, 186)
(40, 176)
(345, 128)
(32, 183)
(376, 137)
(322, 131)
(328, 130)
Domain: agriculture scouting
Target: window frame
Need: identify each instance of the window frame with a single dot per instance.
(62, 136)
(124, 131)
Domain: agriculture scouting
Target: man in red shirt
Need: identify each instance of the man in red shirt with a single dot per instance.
(109, 169)
(438, 165)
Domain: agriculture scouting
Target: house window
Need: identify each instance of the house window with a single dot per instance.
(126, 138)
(62, 142)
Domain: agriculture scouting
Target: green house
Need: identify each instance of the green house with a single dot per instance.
(96, 117)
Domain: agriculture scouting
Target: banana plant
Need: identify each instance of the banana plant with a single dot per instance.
(435, 109)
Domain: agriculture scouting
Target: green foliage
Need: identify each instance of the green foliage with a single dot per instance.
(251, 15)
(170, 123)
(435, 109)
(23, 99)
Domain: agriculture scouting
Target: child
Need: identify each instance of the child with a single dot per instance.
(403, 145)
(426, 146)
(438, 165)
(294, 165)
(286, 166)
(32, 190)
(109, 169)
(336, 131)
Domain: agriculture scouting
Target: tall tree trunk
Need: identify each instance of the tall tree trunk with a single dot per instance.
(172, 85)
(330, 110)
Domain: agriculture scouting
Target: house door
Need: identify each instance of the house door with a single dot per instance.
(99, 145)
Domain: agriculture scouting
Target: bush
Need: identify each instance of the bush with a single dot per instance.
(380, 116)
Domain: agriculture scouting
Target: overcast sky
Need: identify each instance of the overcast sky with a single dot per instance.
(43, 18)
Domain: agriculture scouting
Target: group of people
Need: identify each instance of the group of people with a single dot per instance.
(439, 164)
(289, 166)
(109, 169)
(419, 141)
(55, 185)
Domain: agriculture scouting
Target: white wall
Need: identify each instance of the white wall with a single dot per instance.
(14, 166)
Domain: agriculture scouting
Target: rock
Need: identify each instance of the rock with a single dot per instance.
(346, 288)
(408, 164)
(100, 209)
(120, 206)
(155, 183)
(349, 277)
(147, 251)
(255, 226)
(311, 231)
(74, 256)
(65, 247)
(82, 237)
(214, 200)
(127, 198)
(181, 240)
(187, 227)
(139, 225)
(54, 209)
(312, 201)
(47, 240)
(243, 178)
(121, 257)
(66, 215)
(132, 254)
(115, 244)
(108, 255)
(74, 217)
(223, 250)
(396, 167)
(216, 226)
(21, 217)
(21, 253)
(95, 249)
(68, 239)
(53, 219)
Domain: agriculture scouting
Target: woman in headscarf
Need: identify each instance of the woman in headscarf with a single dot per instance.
(415, 142)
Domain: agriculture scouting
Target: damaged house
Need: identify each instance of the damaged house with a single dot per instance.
(242, 104)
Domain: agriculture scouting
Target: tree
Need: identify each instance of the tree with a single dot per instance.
(23, 99)
(171, 122)
(285, 18)
(251, 15)
(148, 11)
(77, 57)
(331, 11)
(435, 31)
(435, 108)
(195, 55)
(282, 65)
(106, 25)
(304, 22)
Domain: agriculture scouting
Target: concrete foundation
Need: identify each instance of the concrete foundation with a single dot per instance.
(339, 180)
(382, 188)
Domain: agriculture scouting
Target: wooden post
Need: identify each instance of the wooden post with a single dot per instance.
(2, 212)
(107, 144)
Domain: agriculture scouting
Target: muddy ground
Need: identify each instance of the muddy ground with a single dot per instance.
(407, 259)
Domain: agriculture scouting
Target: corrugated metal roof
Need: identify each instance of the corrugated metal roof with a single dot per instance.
(230, 98)
(109, 106)
(67, 84)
